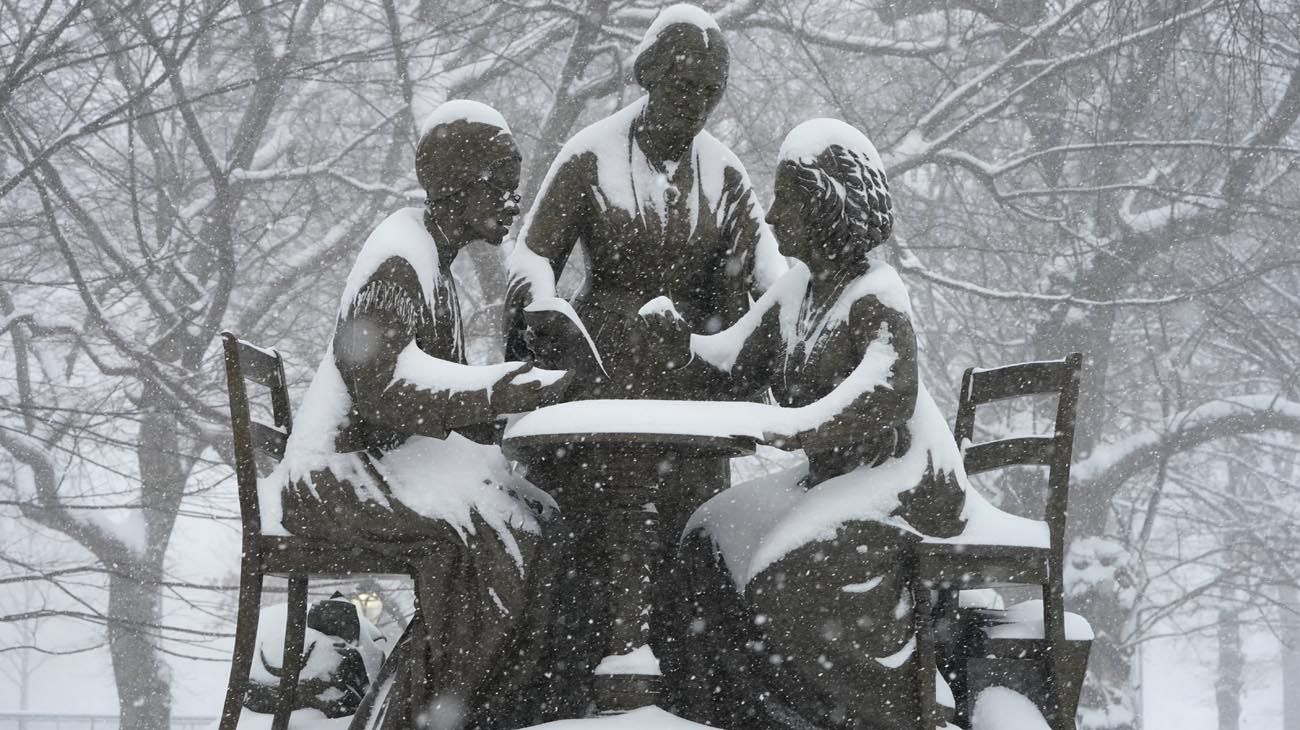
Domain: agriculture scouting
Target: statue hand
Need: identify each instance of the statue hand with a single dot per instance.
(667, 337)
(784, 440)
(526, 388)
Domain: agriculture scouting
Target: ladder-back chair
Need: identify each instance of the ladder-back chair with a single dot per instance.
(264, 552)
(1049, 668)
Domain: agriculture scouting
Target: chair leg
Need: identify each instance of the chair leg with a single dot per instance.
(291, 661)
(241, 662)
(1053, 662)
(923, 630)
(950, 645)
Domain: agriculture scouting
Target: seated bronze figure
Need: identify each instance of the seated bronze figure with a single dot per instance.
(801, 585)
(394, 445)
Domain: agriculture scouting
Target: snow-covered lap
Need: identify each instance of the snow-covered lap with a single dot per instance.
(471, 478)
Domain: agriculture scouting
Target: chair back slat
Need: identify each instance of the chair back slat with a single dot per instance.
(260, 365)
(245, 363)
(980, 386)
(1012, 381)
(269, 440)
(1023, 450)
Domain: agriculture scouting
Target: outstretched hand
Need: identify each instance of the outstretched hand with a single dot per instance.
(666, 337)
(786, 440)
(526, 388)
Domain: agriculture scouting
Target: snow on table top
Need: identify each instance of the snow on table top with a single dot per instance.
(642, 718)
(688, 418)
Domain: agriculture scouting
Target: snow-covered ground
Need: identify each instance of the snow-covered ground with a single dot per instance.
(1178, 692)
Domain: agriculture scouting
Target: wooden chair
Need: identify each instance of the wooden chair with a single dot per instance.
(266, 554)
(1050, 668)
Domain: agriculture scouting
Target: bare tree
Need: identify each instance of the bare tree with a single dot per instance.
(1109, 176)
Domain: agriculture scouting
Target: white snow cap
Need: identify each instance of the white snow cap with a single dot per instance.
(470, 111)
(811, 138)
(681, 13)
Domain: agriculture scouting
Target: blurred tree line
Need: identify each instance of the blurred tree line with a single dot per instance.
(1116, 177)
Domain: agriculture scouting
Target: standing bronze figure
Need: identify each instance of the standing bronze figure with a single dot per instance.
(661, 208)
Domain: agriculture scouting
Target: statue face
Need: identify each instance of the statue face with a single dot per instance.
(681, 100)
(489, 205)
(786, 214)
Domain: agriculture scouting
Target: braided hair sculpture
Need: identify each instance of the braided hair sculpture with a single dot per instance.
(848, 194)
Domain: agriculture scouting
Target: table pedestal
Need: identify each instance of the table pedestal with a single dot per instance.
(629, 676)
(608, 480)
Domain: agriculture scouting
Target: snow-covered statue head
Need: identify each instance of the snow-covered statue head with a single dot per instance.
(832, 201)
(682, 64)
(469, 166)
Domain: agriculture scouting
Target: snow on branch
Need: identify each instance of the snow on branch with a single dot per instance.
(946, 105)
(37, 489)
(921, 143)
(907, 261)
(859, 44)
(1237, 415)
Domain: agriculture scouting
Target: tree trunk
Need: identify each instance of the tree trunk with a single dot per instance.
(139, 670)
(1227, 693)
(1291, 658)
(135, 598)
(1108, 701)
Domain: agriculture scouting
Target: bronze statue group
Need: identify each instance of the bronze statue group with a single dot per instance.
(785, 602)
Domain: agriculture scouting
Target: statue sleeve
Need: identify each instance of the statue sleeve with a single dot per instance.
(878, 396)
(740, 360)
(552, 227)
(752, 250)
(392, 382)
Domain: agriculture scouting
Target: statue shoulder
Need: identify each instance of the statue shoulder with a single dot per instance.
(711, 149)
(607, 136)
(716, 160)
(883, 287)
(398, 244)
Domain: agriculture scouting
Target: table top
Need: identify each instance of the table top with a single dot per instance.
(695, 428)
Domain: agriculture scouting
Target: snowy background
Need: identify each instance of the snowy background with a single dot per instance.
(1116, 177)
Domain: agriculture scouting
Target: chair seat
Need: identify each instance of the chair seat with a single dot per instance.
(1024, 621)
(281, 554)
(971, 566)
(1017, 663)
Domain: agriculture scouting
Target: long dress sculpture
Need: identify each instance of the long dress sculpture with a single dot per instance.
(801, 579)
(661, 208)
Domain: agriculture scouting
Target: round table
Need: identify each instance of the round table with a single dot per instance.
(635, 432)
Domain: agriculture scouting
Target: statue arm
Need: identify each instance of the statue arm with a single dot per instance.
(879, 394)
(550, 231)
(392, 381)
(752, 250)
(740, 360)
